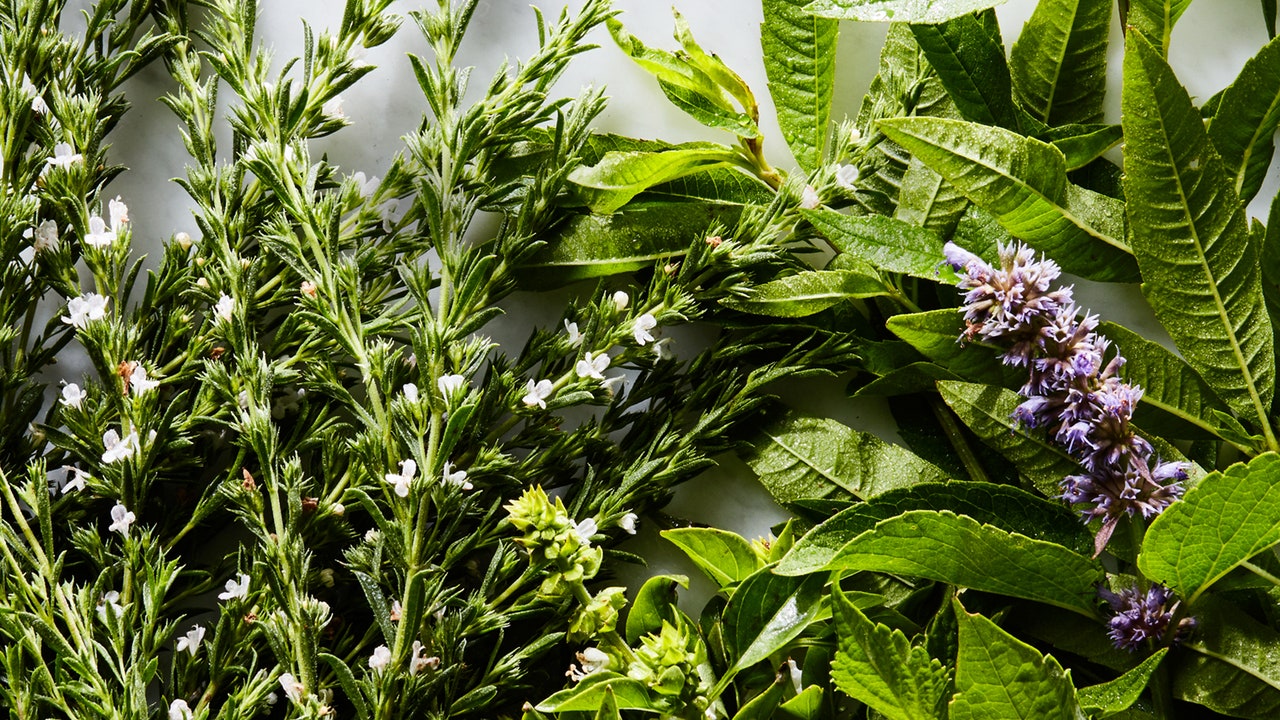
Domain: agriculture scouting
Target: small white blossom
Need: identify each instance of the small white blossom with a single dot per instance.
(99, 236)
(796, 676)
(110, 601)
(38, 105)
(191, 641)
(809, 199)
(586, 530)
(292, 688)
(75, 479)
(242, 399)
(179, 710)
(855, 136)
(450, 384)
(116, 448)
(408, 469)
(225, 307)
(396, 610)
(621, 300)
(139, 383)
(236, 589)
(272, 698)
(593, 659)
(366, 187)
(380, 659)
(846, 176)
(611, 385)
(456, 477)
(592, 366)
(119, 214)
(575, 337)
(420, 661)
(410, 392)
(537, 393)
(85, 309)
(389, 212)
(662, 348)
(44, 238)
(333, 107)
(628, 523)
(121, 519)
(64, 156)
(640, 329)
(72, 395)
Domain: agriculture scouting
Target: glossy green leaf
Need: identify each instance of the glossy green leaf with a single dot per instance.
(725, 557)
(1023, 183)
(1003, 506)
(1083, 144)
(800, 456)
(1059, 63)
(593, 691)
(880, 668)
(956, 549)
(716, 185)
(987, 411)
(936, 335)
(1232, 667)
(1243, 129)
(764, 705)
(609, 708)
(766, 612)
(999, 677)
(1156, 18)
(654, 603)
(800, 61)
(971, 66)
(1199, 268)
(806, 293)
(904, 11)
(1116, 696)
(620, 176)
(1227, 518)
(884, 243)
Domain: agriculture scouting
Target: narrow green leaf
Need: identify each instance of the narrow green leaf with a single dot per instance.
(1156, 18)
(620, 176)
(654, 603)
(1023, 183)
(800, 456)
(884, 243)
(971, 65)
(936, 335)
(800, 62)
(1227, 518)
(348, 681)
(766, 612)
(999, 677)
(725, 557)
(905, 11)
(1083, 144)
(764, 705)
(594, 691)
(1059, 63)
(609, 708)
(1199, 269)
(1233, 667)
(1244, 128)
(1116, 696)
(806, 293)
(959, 550)
(880, 668)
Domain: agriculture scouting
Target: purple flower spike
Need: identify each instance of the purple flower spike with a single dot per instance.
(1141, 617)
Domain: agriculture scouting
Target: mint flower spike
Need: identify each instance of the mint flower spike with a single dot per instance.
(1142, 617)
(1073, 390)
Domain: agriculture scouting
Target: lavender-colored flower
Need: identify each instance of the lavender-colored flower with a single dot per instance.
(1141, 617)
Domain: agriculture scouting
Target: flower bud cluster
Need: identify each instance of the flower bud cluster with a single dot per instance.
(598, 617)
(550, 535)
(1144, 616)
(1073, 390)
(667, 663)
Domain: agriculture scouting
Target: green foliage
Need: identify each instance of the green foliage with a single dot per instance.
(799, 51)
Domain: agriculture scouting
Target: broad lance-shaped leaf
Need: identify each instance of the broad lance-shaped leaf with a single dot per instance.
(766, 612)
(806, 293)
(999, 677)
(1199, 268)
(927, 201)
(1227, 518)
(971, 65)
(1244, 128)
(800, 456)
(1156, 18)
(956, 549)
(884, 243)
(1116, 696)
(1023, 183)
(882, 669)
(620, 176)
(903, 11)
(1059, 63)
(800, 62)
(596, 689)
(935, 334)
(1232, 667)
(724, 556)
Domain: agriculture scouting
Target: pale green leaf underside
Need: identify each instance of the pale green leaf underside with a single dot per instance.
(906, 11)
(620, 176)
(800, 62)
(1059, 63)
(807, 293)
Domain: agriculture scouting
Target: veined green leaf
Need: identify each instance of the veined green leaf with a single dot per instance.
(1059, 63)
(1243, 129)
(620, 176)
(936, 335)
(971, 65)
(807, 705)
(879, 667)
(725, 557)
(928, 201)
(905, 11)
(1082, 144)
(1156, 18)
(717, 184)
(801, 456)
(1199, 268)
(765, 613)
(800, 62)
(1227, 518)
(806, 293)
(655, 602)
(1232, 668)
(1023, 183)
(592, 692)
(884, 243)
(1116, 696)
(999, 677)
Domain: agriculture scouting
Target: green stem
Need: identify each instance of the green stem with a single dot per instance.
(1261, 573)
(955, 436)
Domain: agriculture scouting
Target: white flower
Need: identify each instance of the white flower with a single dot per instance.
(621, 300)
(575, 337)
(236, 589)
(85, 309)
(586, 530)
(408, 469)
(455, 477)
(662, 348)
(612, 384)
(450, 384)
(389, 211)
(380, 659)
(292, 688)
(592, 366)
(366, 187)
(118, 212)
(272, 698)
(121, 519)
(225, 307)
(640, 329)
(242, 399)
(537, 394)
(410, 392)
(116, 448)
(191, 641)
(796, 675)
(98, 235)
(110, 601)
(396, 610)
(38, 105)
(333, 107)
(179, 710)
(846, 176)
(72, 395)
(64, 156)
(75, 479)
(809, 199)
(855, 136)
(419, 661)
(44, 237)
(628, 523)
(593, 659)
(139, 382)
(356, 56)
